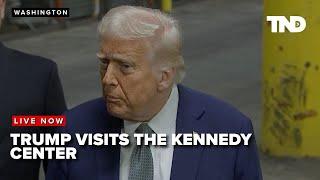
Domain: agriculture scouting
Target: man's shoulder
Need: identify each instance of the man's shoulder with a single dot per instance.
(209, 102)
(217, 114)
(29, 60)
(88, 116)
(88, 108)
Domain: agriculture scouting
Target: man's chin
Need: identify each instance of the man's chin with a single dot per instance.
(115, 111)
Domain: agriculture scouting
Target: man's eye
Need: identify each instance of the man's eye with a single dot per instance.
(104, 63)
(126, 67)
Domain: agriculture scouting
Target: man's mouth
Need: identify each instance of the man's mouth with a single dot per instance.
(112, 99)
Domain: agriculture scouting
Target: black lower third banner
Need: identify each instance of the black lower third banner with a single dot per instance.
(40, 12)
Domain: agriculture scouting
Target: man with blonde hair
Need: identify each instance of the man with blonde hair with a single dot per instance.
(29, 85)
(141, 70)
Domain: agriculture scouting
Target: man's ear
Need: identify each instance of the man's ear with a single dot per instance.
(166, 78)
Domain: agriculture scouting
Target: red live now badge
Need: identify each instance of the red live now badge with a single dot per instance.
(38, 121)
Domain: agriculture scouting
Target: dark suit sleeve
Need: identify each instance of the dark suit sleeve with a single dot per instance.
(55, 102)
(247, 163)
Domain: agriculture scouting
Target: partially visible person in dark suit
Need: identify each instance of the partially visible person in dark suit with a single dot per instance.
(141, 70)
(29, 85)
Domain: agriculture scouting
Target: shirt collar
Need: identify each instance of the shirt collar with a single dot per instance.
(164, 120)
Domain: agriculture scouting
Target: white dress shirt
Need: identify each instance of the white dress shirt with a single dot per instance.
(165, 123)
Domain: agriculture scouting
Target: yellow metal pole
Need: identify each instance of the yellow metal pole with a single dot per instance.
(166, 5)
(291, 82)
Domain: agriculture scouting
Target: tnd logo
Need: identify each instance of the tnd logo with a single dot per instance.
(280, 23)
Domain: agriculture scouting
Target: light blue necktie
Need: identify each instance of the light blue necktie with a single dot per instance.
(141, 163)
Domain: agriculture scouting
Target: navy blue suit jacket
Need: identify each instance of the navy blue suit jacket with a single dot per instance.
(196, 112)
(29, 85)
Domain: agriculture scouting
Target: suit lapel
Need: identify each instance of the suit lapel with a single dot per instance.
(108, 157)
(186, 159)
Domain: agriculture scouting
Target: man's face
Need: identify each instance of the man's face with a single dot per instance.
(2, 8)
(128, 79)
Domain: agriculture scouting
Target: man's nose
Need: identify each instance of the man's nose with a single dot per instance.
(109, 78)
